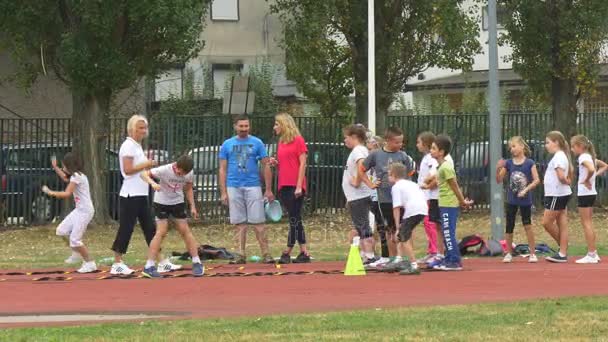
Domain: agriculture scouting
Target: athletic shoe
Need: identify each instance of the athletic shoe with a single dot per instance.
(379, 263)
(435, 262)
(87, 267)
(532, 258)
(198, 269)
(285, 259)
(451, 266)
(167, 266)
(395, 266)
(302, 259)
(426, 258)
(120, 268)
(410, 271)
(508, 258)
(150, 272)
(557, 258)
(73, 259)
(238, 260)
(370, 260)
(268, 259)
(587, 259)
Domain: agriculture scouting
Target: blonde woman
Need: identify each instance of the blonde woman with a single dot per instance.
(291, 165)
(134, 204)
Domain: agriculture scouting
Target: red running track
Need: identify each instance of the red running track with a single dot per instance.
(483, 280)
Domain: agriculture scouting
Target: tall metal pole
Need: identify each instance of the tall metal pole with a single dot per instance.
(371, 68)
(496, 202)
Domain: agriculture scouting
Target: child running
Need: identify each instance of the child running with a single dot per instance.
(356, 191)
(379, 160)
(432, 221)
(175, 179)
(74, 225)
(409, 202)
(522, 179)
(583, 148)
(558, 178)
(450, 198)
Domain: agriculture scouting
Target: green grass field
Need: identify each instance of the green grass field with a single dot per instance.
(38, 247)
(564, 319)
(573, 319)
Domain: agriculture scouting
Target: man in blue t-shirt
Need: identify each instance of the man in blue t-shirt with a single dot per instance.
(241, 187)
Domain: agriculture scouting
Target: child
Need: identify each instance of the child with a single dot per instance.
(357, 193)
(432, 221)
(450, 198)
(175, 179)
(558, 178)
(409, 197)
(522, 178)
(75, 224)
(587, 162)
(375, 143)
(379, 161)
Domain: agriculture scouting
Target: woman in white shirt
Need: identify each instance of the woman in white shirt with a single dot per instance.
(558, 178)
(588, 169)
(134, 204)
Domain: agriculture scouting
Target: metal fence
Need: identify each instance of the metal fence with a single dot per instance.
(27, 146)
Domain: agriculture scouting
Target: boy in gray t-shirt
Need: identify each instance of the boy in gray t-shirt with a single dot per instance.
(380, 161)
(174, 180)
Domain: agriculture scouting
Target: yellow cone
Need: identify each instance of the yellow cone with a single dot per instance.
(354, 265)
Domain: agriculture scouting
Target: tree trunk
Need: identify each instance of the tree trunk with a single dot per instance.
(382, 106)
(360, 78)
(563, 103)
(90, 132)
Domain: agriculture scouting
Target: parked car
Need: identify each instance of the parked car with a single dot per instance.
(26, 167)
(160, 156)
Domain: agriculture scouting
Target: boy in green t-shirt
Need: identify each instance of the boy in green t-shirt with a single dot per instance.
(450, 199)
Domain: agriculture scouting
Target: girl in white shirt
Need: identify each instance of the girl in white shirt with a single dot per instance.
(558, 178)
(588, 168)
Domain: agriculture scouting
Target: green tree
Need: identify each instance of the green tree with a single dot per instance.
(98, 48)
(411, 35)
(557, 48)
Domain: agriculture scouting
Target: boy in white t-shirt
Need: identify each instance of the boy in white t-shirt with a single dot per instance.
(175, 179)
(74, 225)
(408, 196)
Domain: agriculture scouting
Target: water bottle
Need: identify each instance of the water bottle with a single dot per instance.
(255, 258)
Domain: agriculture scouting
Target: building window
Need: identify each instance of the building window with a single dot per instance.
(225, 10)
(222, 75)
(501, 17)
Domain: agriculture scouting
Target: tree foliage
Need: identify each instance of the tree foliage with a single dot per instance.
(557, 48)
(98, 48)
(326, 45)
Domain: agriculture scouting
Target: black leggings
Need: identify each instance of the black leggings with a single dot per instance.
(294, 209)
(133, 209)
(380, 227)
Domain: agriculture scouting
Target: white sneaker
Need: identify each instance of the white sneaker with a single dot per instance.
(532, 258)
(587, 259)
(120, 268)
(73, 259)
(87, 267)
(380, 262)
(167, 266)
(508, 258)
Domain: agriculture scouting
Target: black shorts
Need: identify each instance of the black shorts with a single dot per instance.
(556, 203)
(375, 209)
(387, 214)
(407, 227)
(526, 216)
(164, 212)
(586, 201)
(434, 213)
(359, 213)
